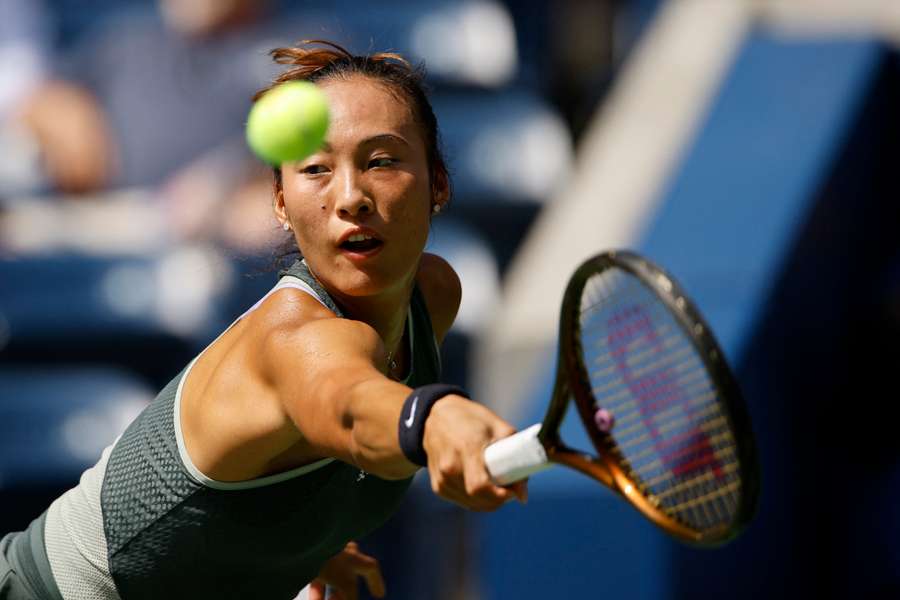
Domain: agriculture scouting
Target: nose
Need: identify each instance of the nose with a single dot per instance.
(353, 199)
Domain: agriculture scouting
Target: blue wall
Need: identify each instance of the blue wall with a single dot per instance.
(785, 188)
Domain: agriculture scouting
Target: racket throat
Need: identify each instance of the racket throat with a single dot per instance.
(583, 463)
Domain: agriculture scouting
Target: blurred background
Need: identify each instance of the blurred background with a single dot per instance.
(749, 147)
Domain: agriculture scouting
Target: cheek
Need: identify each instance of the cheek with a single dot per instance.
(413, 202)
(310, 227)
(414, 216)
(303, 206)
(311, 232)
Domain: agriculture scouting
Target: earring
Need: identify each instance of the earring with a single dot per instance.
(286, 225)
(436, 209)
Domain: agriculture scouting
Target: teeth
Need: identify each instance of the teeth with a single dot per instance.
(359, 237)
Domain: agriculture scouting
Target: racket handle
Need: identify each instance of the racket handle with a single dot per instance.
(516, 457)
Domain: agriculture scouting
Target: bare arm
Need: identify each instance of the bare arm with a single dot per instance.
(328, 374)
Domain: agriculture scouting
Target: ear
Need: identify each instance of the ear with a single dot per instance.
(278, 203)
(440, 187)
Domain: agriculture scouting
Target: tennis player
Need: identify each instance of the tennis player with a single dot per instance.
(299, 428)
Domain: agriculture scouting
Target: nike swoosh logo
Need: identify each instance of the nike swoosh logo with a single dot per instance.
(412, 413)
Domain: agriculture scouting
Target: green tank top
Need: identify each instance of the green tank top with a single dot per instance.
(168, 533)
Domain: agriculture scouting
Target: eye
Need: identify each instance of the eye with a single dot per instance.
(381, 161)
(314, 169)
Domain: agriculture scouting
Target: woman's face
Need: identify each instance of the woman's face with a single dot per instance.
(360, 206)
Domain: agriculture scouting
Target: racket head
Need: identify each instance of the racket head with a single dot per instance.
(681, 448)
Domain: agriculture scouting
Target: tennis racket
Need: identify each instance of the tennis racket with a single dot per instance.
(668, 424)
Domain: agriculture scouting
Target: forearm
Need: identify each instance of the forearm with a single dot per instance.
(372, 413)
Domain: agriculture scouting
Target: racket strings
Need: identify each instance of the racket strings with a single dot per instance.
(672, 420)
(657, 398)
(672, 437)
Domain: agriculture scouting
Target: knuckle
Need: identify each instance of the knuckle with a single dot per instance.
(478, 487)
(504, 430)
(370, 562)
(450, 469)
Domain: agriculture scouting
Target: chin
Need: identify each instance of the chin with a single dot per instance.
(357, 282)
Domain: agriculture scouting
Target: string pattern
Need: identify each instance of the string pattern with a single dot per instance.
(671, 435)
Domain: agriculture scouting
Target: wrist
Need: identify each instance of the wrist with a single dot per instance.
(415, 412)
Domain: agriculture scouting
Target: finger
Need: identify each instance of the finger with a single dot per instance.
(344, 590)
(478, 483)
(459, 497)
(501, 430)
(336, 594)
(371, 572)
(520, 489)
(375, 583)
(367, 567)
(478, 503)
(317, 590)
(450, 484)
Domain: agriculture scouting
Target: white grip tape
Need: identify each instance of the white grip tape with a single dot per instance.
(516, 457)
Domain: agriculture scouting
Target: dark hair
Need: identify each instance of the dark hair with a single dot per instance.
(311, 62)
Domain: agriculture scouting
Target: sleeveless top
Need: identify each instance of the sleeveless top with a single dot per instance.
(144, 523)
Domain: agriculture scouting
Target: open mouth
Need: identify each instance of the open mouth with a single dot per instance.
(361, 243)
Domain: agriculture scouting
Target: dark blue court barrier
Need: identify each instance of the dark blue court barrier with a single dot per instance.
(782, 223)
(791, 274)
(143, 313)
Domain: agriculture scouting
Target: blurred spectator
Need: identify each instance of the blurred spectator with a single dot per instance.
(70, 129)
(24, 43)
(174, 80)
(44, 119)
(154, 97)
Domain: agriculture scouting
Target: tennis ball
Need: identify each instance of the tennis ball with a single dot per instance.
(288, 122)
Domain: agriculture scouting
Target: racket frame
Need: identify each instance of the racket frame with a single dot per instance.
(572, 381)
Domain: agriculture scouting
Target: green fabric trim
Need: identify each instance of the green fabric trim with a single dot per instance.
(28, 558)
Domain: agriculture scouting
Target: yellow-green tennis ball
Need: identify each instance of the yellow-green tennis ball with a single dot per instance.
(288, 123)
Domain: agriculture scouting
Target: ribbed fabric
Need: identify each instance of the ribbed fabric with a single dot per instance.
(75, 541)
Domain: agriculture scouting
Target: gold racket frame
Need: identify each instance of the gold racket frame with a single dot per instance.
(606, 469)
(611, 475)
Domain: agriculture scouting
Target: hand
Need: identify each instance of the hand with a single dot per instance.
(340, 574)
(456, 433)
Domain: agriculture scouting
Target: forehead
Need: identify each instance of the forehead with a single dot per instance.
(360, 107)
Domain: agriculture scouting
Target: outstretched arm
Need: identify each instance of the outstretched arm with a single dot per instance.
(328, 375)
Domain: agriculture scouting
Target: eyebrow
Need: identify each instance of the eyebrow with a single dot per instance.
(381, 137)
(386, 137)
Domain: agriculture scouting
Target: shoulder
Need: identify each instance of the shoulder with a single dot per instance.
(293, 329)
(442, 290)
(288, 309)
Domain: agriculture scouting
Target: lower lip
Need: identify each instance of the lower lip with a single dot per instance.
(357, 256)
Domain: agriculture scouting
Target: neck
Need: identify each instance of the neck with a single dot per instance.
(385, 312)
(386, 315)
